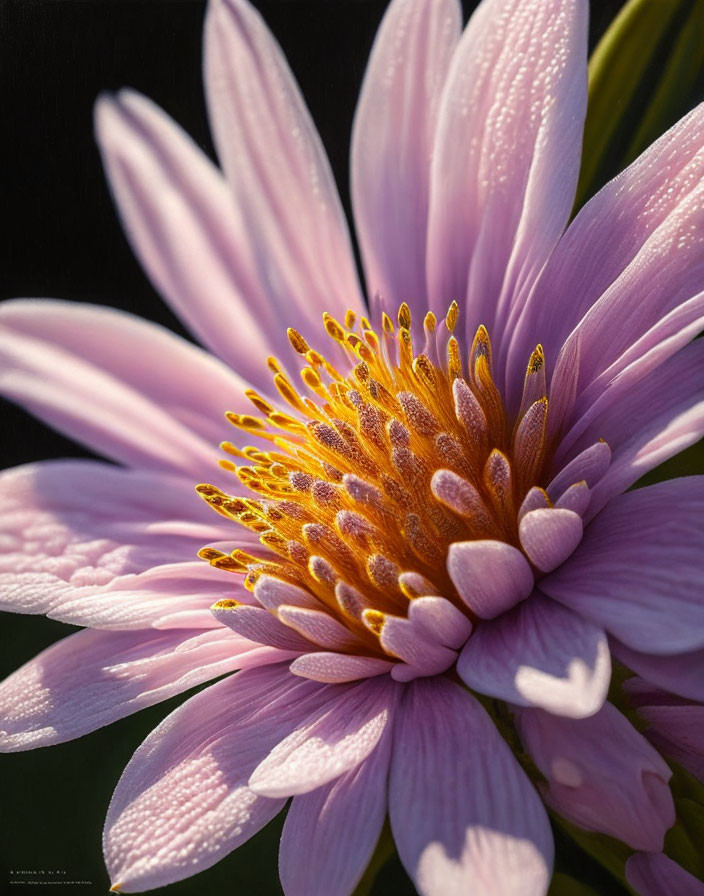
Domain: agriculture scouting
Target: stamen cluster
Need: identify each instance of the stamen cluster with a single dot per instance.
(387, 460)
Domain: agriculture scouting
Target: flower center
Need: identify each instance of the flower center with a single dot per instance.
(386, 458)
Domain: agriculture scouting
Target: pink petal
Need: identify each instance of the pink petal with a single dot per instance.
(421, 655)
(464, 816)
(506, 154)
(261, 626)
(601, 774)
(85, 542)
(637, 572)
(88, 399)
(491, 576)
(176, 376)
(336, 668)
(272, 593)
(295, 229)
(330, 834)
(540, 654)
(92, 678)
(183, 803)
(440, 620)
(331, 741)
(183, 225)
(654, 874)
(640, 249)
(549, 536)
(319, 628)
(681, 674)
(392, 141)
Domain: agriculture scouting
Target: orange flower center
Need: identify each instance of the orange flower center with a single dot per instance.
(386, 458)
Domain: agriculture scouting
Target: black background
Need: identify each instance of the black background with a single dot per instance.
(62, 239)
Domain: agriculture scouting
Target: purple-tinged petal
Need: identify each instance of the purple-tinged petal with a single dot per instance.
(92, 678)
(421, 655)
(506, 154)
(681, 674)
(661, 414)
(440, 620)
(637, 572)
(392, 141)
(640, 249)
(261, 626)
(491, 576)
(89, 401)
(86, 542)
(675, 726)
(589, 466)
(330, 834)
(295, 231)
(273, 593)
(549, 536)
(329, 742)
(601, 774)
(536, 499)
(655, 874)
(464, 816)
(337, 668)
(319, 628)
(540, 654)
(183, 380)
(183, 803)
(576, 498)
(188, 233)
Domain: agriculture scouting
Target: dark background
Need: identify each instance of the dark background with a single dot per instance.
(63, 240)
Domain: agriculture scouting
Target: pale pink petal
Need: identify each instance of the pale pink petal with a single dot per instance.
(464, 816)
(273, 593)
(260, 625)
(319, 627)
(176, 376)
(681, 674)
(91, 402)
(97, 545)
(192, 240)
(601, 774)
(491, 576)
(640, 250)
(336, 668)
(549, 536)
(183, 803)
(540, 654)
(392, 141)
(655, 874)
(506, 155)
(294, 226)
(330, 834)
(440, 620)
(92, 678)
(637, 572)
(331, 741)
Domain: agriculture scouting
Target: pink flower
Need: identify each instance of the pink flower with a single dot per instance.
(417, 517)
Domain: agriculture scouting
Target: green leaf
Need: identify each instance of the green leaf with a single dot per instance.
(645, 73)
(564, 885)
